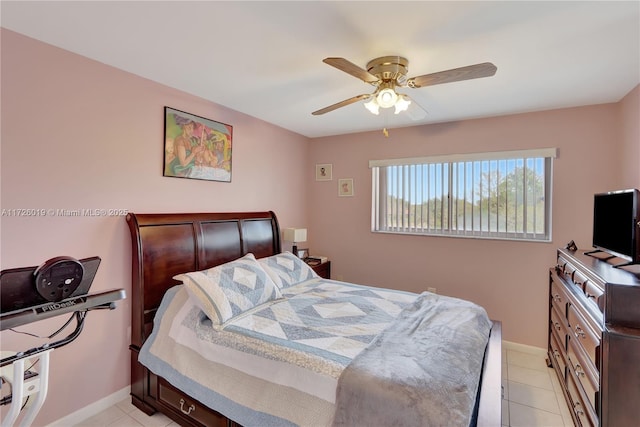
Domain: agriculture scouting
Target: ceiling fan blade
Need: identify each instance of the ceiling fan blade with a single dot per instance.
(415, 110)
(486, 69)
(340, 104)
(351, 68)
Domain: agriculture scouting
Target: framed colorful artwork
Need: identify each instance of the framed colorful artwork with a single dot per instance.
(195, 147)
(345, 187)
(324, 172)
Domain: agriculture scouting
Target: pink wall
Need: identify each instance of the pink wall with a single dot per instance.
(78, 134)
(510, 279)
(630, 138)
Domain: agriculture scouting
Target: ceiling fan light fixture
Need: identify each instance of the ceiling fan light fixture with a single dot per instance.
(387, 98)
(372, 105)
(402, 104)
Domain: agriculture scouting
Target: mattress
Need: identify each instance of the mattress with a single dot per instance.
(281, 362)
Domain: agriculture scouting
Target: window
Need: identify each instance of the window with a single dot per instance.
(501, 195)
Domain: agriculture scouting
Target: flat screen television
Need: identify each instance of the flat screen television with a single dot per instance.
(616, 224)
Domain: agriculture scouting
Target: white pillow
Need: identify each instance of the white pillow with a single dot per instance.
(287, 270)
(230, 289)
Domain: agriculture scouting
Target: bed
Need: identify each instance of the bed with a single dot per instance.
(167, 245)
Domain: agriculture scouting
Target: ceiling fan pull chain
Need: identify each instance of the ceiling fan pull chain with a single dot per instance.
(385, 131)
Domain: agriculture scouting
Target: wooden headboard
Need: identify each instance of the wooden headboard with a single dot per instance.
(164, 245)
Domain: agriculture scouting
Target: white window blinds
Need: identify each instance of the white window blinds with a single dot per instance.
(494, 195)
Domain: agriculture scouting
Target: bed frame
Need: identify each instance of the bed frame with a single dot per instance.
(164, 245)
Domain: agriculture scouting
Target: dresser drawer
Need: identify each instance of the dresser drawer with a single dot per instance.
(565, 269)
(579, 280)
(185, 405)
(558, 327)
(582, 332)
(559, 296)
(595, 295)
(557, 355)
(585, 374)
(561, 264)
(582, 411)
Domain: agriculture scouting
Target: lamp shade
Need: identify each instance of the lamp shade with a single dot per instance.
(387, 98)
(295, 235)
(402, 103)
(372, 106)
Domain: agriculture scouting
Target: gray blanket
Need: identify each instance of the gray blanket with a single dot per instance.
(423, 370)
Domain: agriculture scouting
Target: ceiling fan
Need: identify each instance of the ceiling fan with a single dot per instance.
(389, 72)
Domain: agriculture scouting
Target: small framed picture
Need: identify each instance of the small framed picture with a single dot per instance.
(324, 172)
(303, 253)
(345, 187)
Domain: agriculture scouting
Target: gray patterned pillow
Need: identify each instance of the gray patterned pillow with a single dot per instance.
(286, 269)
(230, 289)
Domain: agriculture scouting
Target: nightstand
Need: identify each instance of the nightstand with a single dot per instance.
(323, 270)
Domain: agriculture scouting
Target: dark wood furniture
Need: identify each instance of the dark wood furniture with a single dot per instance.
(594, 338)
(164, 245)
(323, 270)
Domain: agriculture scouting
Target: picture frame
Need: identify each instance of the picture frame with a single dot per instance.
(324, 172)
(345, 187)
(303, 253)
(196, 147)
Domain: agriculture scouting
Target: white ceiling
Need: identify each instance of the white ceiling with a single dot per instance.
(265, 58)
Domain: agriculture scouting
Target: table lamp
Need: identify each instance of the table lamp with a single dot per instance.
(295, 236)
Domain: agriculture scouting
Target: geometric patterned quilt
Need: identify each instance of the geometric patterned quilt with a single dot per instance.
(334, 320)
(320, 324)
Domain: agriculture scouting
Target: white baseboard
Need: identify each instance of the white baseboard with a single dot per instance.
(92, 409)
(523, 348)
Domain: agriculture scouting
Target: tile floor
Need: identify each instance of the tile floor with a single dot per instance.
(532, 397)
(532, 394)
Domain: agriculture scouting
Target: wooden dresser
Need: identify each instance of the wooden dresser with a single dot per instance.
(594, 338)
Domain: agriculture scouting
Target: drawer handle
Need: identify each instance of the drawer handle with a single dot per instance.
(557, 298)
(579, 332)
(577, 407)
(191, 407)
(557, 325)
(579, 371)
(556, 353)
